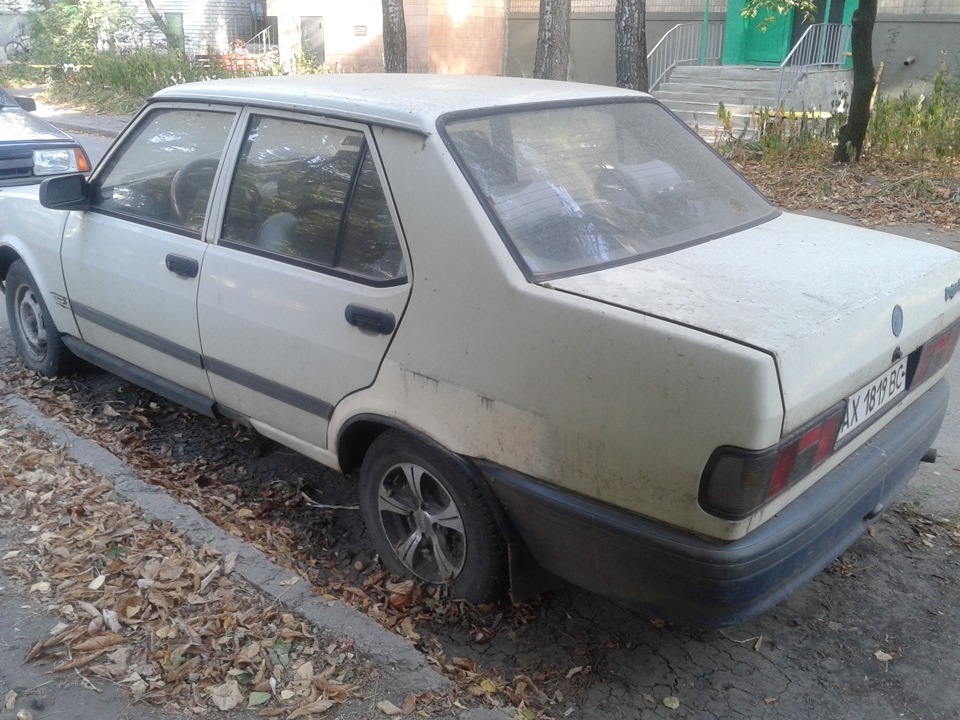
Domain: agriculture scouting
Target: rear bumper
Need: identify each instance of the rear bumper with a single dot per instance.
(684, 578)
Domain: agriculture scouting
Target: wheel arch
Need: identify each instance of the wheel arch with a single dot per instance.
(358, 433)
(525, 578)
(8, 256)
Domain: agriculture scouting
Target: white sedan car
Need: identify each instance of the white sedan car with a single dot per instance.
(545, 326)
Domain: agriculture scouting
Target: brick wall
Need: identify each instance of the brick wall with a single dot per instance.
(466, 37)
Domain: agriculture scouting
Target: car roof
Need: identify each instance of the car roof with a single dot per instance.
(409, 101)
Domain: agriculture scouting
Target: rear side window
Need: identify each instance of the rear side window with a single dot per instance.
(581, 187)
(310, 193)
(164, 171)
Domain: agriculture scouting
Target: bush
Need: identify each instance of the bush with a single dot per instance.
(918, 127)
(120, 84)
(906, 128)
(74, 31)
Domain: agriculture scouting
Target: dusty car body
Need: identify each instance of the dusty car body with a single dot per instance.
(32, 149)
(546, 326)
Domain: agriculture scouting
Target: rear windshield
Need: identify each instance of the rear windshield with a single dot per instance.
(577, 188)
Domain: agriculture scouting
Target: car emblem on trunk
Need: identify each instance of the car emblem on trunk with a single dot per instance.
(950, 290)
(896, 322)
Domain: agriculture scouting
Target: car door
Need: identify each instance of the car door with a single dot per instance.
(131, 261)
(305, 287)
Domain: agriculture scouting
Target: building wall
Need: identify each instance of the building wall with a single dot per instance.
(913, 48)
(443, 36)
(209, 27)
(609, 6)
(919, 30)
(353, 34)
(592, 35)
(467, 36)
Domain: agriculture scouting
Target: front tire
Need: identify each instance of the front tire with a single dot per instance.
(37, 339)
(432, 519)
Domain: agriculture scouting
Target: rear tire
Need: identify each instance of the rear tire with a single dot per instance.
(432, 519)
(38, 342)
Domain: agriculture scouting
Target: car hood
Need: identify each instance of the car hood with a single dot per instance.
(816, 295)
(19, 126)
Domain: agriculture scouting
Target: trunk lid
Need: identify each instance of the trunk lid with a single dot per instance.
(817, 295)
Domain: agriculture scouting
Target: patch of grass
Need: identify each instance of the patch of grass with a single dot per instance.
(113, 84)
(907, 128)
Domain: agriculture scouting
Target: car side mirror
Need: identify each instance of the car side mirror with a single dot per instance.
(65, 192)
(28, 104)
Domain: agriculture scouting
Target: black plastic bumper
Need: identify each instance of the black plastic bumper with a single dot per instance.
(674, 575)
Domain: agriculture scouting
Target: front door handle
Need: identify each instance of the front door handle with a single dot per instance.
(368, 318)
(184, 266)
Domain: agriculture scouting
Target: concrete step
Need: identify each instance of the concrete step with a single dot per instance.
(695, 93)
(766, 88)
(729, 97)
(711, 108)
(732, 72)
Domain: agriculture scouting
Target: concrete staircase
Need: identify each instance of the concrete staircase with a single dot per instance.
(695, 92)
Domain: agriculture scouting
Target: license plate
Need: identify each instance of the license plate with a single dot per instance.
(867, 402)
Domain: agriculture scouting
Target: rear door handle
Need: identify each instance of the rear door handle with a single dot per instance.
(184, 266)
(368, 318)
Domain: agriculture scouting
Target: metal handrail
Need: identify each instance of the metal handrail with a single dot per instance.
(683, 45)
(824, 45)
(262, 39)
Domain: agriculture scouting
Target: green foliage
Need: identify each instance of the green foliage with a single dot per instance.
(116, 84)
(907, 128)
(71, 31)
(305, 62)
(22, 75)
(910, 127)
(778, 135)
(770, 9)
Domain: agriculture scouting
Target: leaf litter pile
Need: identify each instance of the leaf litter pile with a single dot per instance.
(292, 519)
(876, 192)
(141, 607)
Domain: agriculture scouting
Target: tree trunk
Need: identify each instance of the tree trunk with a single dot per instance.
(394, 37)
(173, 40)
(631, 42)
(552, 61)
(854, 133)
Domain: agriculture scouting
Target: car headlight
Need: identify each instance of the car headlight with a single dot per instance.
(57, 161)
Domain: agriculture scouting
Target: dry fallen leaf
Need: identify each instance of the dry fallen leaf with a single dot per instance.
(97, 582)
(388, 708)
(98, 642)
(314, 708)
(227, 695)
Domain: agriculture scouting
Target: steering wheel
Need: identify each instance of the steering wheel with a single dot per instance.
(191, 182)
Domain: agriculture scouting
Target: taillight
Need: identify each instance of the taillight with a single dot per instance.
(736, 482)
(935, 354)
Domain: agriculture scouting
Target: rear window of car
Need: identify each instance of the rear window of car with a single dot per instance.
(576, 188)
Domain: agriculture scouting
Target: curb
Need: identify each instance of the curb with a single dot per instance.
(395, 655)
(85, 128)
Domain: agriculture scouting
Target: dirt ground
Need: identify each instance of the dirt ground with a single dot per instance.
(875, 636)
